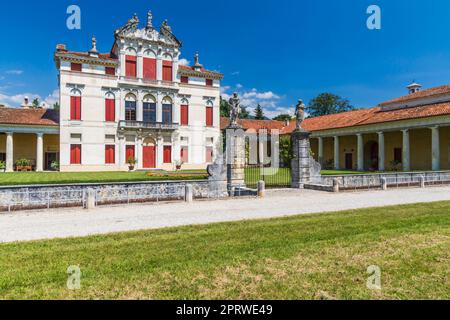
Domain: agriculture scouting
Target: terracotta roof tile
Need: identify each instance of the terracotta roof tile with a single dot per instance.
(420, 94)
(16, 116)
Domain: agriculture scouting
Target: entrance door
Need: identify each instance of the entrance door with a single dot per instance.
(149, 157)
(349, 161)
(49, 158)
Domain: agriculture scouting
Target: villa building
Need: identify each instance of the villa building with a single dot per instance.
(135, 102)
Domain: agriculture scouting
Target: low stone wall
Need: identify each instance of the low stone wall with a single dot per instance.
(73, 195)
(392, 179)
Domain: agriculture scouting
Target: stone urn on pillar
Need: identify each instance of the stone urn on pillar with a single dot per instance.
(235, 150)
(301, 162)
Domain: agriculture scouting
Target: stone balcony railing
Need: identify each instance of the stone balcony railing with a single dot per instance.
(125, 124)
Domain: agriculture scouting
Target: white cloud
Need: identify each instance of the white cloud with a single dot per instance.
(14, 72)
(16, 100)
(52, 98)
(184, 62)
(235, 73)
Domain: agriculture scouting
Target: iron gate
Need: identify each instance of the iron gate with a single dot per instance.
(273, 177)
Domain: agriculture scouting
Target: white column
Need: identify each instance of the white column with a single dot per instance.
(159, 67)
(159, 107)
(40, 152)
(337, 165)
(140, 107)
(122, 159)
(9, 152)
(140, 65)
(435, 149)
(175, 70)
(360, 152)
(381, 152)
(321, 160)
(176, 117)
(122, 62)
(176, 148)
(160, 152)
(406, 154)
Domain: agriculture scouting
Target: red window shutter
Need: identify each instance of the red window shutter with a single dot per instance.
(149, 69)
(110, 112)
(184, 115)
(130, 68)
(209, 116)
(78, 67)
(184, 79)
(167, 154)
(110, 71)
(184, 154)
(209, 154)
(75, 108)
(110, 154)
(129, 152)
(209, 82)
(75, 154)
(167, 70)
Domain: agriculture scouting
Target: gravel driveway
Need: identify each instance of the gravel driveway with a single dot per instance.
(62, 223)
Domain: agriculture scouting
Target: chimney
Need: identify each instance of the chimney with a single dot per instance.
(287, 123)
(26, 103)
(61, 48)
(93, 52)
(197, 66)
(414, 87)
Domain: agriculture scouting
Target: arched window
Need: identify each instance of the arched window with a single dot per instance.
(149, 108)
(184, 112)
(209, 114)
(167, 110)
(110, 107)
(149, 65)
(75, 105)
(131, 63)
(130, 107)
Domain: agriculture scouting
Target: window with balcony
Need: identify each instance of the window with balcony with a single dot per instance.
(149, 69)
(149, 109)
(167, 113)
(167, 71)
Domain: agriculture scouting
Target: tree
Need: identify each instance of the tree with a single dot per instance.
(328, 103)
(244, 113)
(224, 108)
(259, 113)
(56, 106)
(283, 117)
(36, 103)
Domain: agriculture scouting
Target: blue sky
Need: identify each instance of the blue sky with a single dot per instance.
(272, 52)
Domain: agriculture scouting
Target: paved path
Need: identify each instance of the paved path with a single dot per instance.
(61, 223)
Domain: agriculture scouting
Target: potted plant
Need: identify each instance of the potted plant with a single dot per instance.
(2, 166)
(178, 165)
(23, 165)
(131, 163)
(54, 165)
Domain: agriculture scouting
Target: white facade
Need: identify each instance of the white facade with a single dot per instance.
(152, 134)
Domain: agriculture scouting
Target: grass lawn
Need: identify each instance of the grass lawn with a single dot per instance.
(27, 178)
(306, 257)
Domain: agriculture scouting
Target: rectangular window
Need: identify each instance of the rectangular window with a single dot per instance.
(167, 70)
(398, 155)
(78, 67)
(130, 68)
(167, 113)
(209, 154)
(110, 110)
(209, 116)
(167, 154)
(2, 156)
(209, 82)
(184, 121)
(110, 71)
(110, 154)
(130, 110)
(75, 108)
(149, 69)
(184, 79)
(129, 153)
(75, 154)
(149, 112)
(184, 154)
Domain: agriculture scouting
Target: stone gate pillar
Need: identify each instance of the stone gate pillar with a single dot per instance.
(300, 165)
(235, 136)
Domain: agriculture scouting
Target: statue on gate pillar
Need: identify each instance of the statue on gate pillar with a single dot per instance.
(235, 110)
(300, 114)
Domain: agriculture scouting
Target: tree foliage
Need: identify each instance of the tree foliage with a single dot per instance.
(259, 113)
(328, 103)
(283, 117)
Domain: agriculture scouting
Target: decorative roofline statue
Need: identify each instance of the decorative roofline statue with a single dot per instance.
(235, 109)
(149, 21)
(300, 114)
